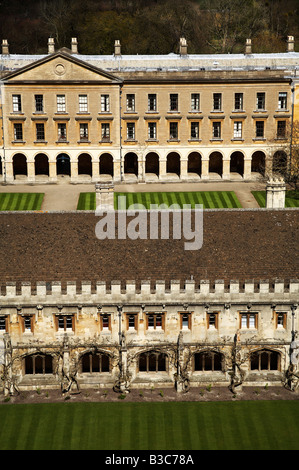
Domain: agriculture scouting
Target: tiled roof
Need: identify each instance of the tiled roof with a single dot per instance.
(237, 245)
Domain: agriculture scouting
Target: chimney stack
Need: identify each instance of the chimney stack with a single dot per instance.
(51, 46)
(117, 48)
(290, 44)
(74, 46)
(248, 47)
(5, 48)
(183, 46)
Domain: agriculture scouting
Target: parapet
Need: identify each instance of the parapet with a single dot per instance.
(133, 291)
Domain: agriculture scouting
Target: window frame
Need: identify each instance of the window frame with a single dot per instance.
(61, 104)
(248, 316)
(40, 134)
(194, 126)
(239, 101)
(131, 131)
(281, 325)
(83, 104)
(216, 130)
(62, 137)
(188, 324)
(217, 102)
(282, 99)
(105, 103)
(238, 133)
(259, 129)
(152, 102)
(103, 317)
(173, 102)
(18, 132)
(212, 324)
(129, 317)
(24, 319)
(155, 327)
(91, 357)
(39, 103)
(152, 131)
(259, 353)
(202, 357)
(260, 101)
(84, 131)
(130, 102)
(195, 102)
(3, 321)
(63, 318)
(173, 130)
(281, 133)
(105, 137)
(16, 103)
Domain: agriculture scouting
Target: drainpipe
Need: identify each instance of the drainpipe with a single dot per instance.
(120, 133)
(3, 130)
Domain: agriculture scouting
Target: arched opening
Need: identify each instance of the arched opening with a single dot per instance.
(152, 361)
(258, 163)
(131, 164)
(215, 164)
(98, 362)
(84, 164)
(63, 165)
(265, 360)
(19, 163)
(280, 163)
(106, 165)
(41, 164)
(237, 163)
(194, 163)
(208, 361)
(38, 364)
(152, 164)
(173, 164)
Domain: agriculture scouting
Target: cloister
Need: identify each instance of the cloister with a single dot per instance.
(173, 166)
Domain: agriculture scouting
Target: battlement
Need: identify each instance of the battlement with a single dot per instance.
(147, 291)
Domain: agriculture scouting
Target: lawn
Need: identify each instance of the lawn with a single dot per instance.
(209, 199)
(292, 198)
(248, 425)
(21, 201)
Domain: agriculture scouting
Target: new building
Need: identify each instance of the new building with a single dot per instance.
(177, 117)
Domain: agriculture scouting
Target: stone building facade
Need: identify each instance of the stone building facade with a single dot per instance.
(224, 315)
(177, 117)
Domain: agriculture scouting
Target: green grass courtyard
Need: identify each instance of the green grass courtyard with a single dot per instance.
(245, 425)
(209, 199)
(292, 198)
(21, 201)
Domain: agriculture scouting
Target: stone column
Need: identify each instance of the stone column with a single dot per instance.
(31, 172)
(52, 172)
(162, 168)
(275, 194)
(247, 168)
(184, 168)
(226, 168)
(9, 171)
(104, 196)
(205, 168)
(95, 170)
(74, 171)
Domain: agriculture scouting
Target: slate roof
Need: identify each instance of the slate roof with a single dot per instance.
(237, 245)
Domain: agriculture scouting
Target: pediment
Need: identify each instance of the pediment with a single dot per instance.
(61, 67)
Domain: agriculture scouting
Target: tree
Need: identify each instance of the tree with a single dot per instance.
(230, 23)
(284, 161)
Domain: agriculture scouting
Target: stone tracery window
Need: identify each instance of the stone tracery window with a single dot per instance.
(152, 361)
(265, 360)
(38, 364)
(208, 361)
